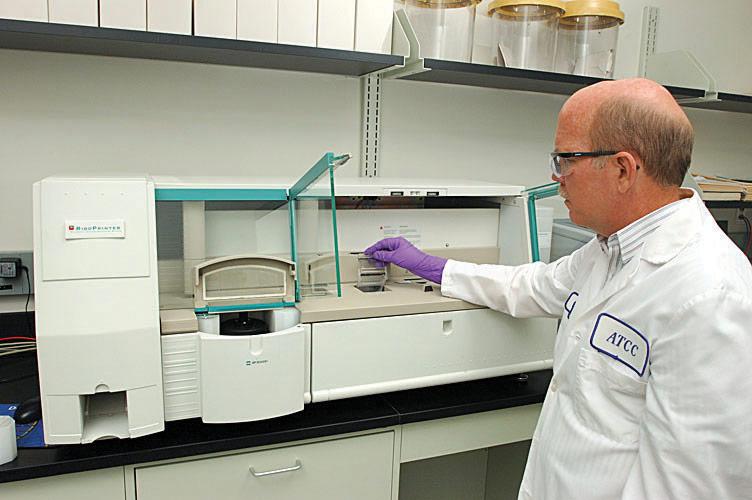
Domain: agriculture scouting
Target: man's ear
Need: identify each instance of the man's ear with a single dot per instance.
(628, 167)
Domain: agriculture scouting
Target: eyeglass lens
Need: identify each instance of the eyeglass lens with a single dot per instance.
(560, 166)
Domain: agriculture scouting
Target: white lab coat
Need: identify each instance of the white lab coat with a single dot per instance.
(663, 407)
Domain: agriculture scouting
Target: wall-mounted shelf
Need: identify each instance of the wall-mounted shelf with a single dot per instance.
(737, 103)
(50, 37)
(728, 204)
(481, 75)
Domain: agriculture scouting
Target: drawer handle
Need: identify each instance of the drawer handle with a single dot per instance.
(295, 467)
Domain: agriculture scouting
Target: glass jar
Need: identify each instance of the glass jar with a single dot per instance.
(525, 33)
(588, 32)
(444, 27)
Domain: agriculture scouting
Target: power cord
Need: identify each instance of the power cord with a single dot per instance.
(28, 297)
(749, 234)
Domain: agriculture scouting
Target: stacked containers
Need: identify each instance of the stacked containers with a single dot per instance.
(588, 32)
(444, 27)
(525, 32)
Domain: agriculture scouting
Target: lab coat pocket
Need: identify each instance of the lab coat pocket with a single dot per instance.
(608, 401)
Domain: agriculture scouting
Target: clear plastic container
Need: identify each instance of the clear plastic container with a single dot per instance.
(588, 32)
(525, 33)
(444, 27)
(370, 277)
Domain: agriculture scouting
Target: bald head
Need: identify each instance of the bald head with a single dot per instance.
(635, 115)
(638, 90)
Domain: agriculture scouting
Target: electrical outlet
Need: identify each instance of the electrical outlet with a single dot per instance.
(733, 223)
(10, 267)
(738, 224)
(18, 285)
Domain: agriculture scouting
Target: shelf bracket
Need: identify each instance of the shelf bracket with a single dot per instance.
(370, 122)
(678, 68)
(405, 42)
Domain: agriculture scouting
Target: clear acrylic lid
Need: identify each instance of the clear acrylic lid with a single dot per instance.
(314, 222)
(202, 220)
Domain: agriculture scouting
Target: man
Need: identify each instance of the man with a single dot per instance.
(650, 397)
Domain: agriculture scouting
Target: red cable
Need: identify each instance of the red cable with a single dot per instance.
(18, 338)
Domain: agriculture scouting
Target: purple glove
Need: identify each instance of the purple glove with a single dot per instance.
(401, 252)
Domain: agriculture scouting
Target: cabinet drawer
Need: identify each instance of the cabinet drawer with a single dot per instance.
(105, 483)
(358, 467)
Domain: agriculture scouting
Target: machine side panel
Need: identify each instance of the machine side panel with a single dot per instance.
(181, 373)
(514, 232)
(97, 310)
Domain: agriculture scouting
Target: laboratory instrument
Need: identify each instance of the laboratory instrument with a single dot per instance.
(234, 300)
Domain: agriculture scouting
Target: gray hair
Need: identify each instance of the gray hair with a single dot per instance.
(663, 140)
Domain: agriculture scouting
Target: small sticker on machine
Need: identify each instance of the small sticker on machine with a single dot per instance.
(81, 229)
(410, 233)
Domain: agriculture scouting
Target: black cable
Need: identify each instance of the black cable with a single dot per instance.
(19, 377)
(748, 224)
(28, 297)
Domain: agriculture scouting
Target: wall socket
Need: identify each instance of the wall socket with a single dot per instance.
(18, 285)
(731, 216)
(738, 224)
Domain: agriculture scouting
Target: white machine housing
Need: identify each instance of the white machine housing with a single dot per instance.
(97, 308)
(224, 379)
(404, 337)
(106, 369)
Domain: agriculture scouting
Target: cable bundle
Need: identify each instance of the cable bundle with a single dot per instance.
(23, 344)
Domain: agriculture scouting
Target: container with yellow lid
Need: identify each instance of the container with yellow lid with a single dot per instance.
(588, 32)
(525, 32)
(444, 27)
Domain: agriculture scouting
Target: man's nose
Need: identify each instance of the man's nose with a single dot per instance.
(556, 179)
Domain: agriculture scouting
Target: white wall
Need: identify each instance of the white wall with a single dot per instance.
(63, 113)
(717, 33)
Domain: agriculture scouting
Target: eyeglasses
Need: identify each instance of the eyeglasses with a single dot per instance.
(561, 165)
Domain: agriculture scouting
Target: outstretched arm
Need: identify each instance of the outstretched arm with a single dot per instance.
(527, 290)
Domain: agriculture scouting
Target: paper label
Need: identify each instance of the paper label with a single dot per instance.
(90, 229)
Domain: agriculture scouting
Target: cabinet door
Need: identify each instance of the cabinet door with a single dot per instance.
(358, 467)
(105, 483)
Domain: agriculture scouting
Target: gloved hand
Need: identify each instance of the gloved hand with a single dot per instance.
(401, 252)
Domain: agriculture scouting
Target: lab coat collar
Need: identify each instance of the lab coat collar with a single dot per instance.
(659, 247)
(618, 282)
(672, 236)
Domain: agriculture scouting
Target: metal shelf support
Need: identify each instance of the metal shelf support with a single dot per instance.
(370, 122)
(679, 68)
(404, 39)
